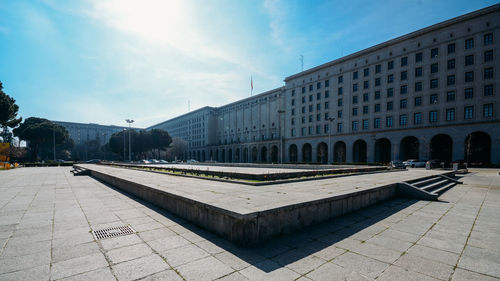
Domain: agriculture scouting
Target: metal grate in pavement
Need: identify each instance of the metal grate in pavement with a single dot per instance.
(113, 232)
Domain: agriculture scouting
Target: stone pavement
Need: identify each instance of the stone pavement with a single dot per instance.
(46, 216)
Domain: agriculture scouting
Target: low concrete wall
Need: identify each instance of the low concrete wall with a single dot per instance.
(254, 228)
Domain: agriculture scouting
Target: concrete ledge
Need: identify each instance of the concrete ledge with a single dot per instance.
(251, 229)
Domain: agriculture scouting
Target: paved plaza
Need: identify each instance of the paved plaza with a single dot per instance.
(46, 217)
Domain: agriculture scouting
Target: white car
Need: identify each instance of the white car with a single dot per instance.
(414, 163)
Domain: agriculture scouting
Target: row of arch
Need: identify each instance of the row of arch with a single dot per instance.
(477, 149)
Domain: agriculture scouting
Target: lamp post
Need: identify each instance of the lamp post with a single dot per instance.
(124, 129)
(331, 119)
(129, 121)
(281, 135)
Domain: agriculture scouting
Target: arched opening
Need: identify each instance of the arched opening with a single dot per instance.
(306, 153)
(216, 155)
(292, 152)
(237, 156)
(322, 154)
(230, 155)
(211, 155)
(441, 147)
(263, 154)
(254, 154)
(359, 151)
(383, 150)
(245, 155)
(478, 149)
(223, 156)
(408, 149)
(339, 152)
(198, 156)
(203, 156)
(274, 154)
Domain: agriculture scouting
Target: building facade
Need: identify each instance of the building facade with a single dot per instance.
(430, 94)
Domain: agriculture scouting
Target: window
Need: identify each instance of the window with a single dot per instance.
(417, 118)
(434, 68)
(450, 114)
(310, 118)
(339, 102)
(389, 105)
(488, 56)
(451, 48)
(327, 94)
(433, 116)
(318, 106)
(450, 80)
(318, 96)
(366, 84)
(303, 89)
(377, 107)
(469, 93)
(293, 111)
(354, 125)
(404, 75)
(327, 129)
(390, 78)
(339, 114)
(488, 110)
(390, 92)
(388, 121)
(340, 79)
(433, 99)
(366, 72)
(310, 88)
(403, 120)
(402, 103)
(327, 83)
(354, 99)
(303, 119)
(378, 68)
(488, 90)
(451, 64)
(355, 75)
(340, 91)
(311, 130)
(365, 124)
(292, 132)
(418, 86)
(434, 83)
(318, 85)
(469, 43)
(376, 123)
(327, 105)
(318, 129)
(450, 96)
(488, 73)
(404, 61)
(303, 99)
(354, 111)
(418, 72)
(469, 60)
(293, 121)
(418, 57)
(365, 109)
(488, 39)
(468, 112)
(377, 81)
(339, 127)
(404, 89)
(293, 102)
(303, 131)
(377, 95)
(293, 92)
(365, 97)
(469, 76)
(303, 109)
(326, 116)
(390, 65)
(355, 87)
(311, 97)
(434, 53)
(310, 108)
(418, 101)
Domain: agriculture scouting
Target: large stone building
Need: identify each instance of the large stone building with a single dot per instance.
(430, 94)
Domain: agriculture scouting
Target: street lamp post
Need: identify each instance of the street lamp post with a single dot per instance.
(331, 119)
(281, 135)
(129, 121)
(124, 129)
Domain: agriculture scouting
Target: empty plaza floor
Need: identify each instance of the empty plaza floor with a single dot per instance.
(47, 214)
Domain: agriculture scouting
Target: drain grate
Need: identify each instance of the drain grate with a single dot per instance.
(113, 232)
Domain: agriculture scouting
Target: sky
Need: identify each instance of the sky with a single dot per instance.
(100, 61)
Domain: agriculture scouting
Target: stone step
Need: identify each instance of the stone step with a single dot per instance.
(435, 185)
(426, 182)
(444, 188)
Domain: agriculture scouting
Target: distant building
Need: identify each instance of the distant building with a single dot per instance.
(430, 94)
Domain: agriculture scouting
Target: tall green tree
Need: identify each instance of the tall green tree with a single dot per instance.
(8, 114)
(39, 134)
(161, 140)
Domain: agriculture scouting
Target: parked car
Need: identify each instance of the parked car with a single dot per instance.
(144, 161)
(191, 161)
(163, 161)
(414, 163)
(153, 161)
(396, 164)
(93, 161)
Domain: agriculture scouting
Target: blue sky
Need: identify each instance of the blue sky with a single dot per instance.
(104, 61)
